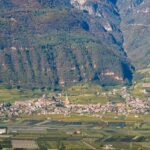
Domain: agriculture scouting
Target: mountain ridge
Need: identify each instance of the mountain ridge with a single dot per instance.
(135, 25)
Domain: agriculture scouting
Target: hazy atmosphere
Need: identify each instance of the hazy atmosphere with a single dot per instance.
(74, 74)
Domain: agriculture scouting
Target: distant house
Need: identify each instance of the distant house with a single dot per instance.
(3, 130)
(77, 132)
(146, 85)
(109, 147)
(147, 91)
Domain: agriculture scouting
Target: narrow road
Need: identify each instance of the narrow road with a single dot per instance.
(90, 146)
(141, 25)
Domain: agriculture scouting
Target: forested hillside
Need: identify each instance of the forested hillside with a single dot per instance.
(46, 43)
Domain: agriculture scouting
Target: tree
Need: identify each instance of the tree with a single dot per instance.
(61, 146)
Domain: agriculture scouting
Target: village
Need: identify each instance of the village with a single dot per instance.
(56, 105)
(93, 132)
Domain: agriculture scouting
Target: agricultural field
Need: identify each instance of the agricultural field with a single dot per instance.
(141, 76)
(78, 133)
(88, 93)
(8, 94)
(85, 93)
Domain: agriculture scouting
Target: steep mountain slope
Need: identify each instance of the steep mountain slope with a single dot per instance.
(46, 43)
(135, 15)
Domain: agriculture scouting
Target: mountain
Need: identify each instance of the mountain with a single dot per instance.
(135, 24)
(47, 43)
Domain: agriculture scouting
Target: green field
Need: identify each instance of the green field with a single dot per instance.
(93, 133)
(141, 76)
(85, 93)
(13, 94)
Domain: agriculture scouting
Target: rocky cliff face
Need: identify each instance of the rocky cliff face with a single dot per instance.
(135, 24)
(46, 43)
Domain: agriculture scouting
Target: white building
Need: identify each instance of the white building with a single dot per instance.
(3, 130)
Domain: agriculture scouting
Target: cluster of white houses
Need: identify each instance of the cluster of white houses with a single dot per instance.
(57, 106)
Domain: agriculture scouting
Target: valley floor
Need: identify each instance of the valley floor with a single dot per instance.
(77, 133)
(82, 117)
